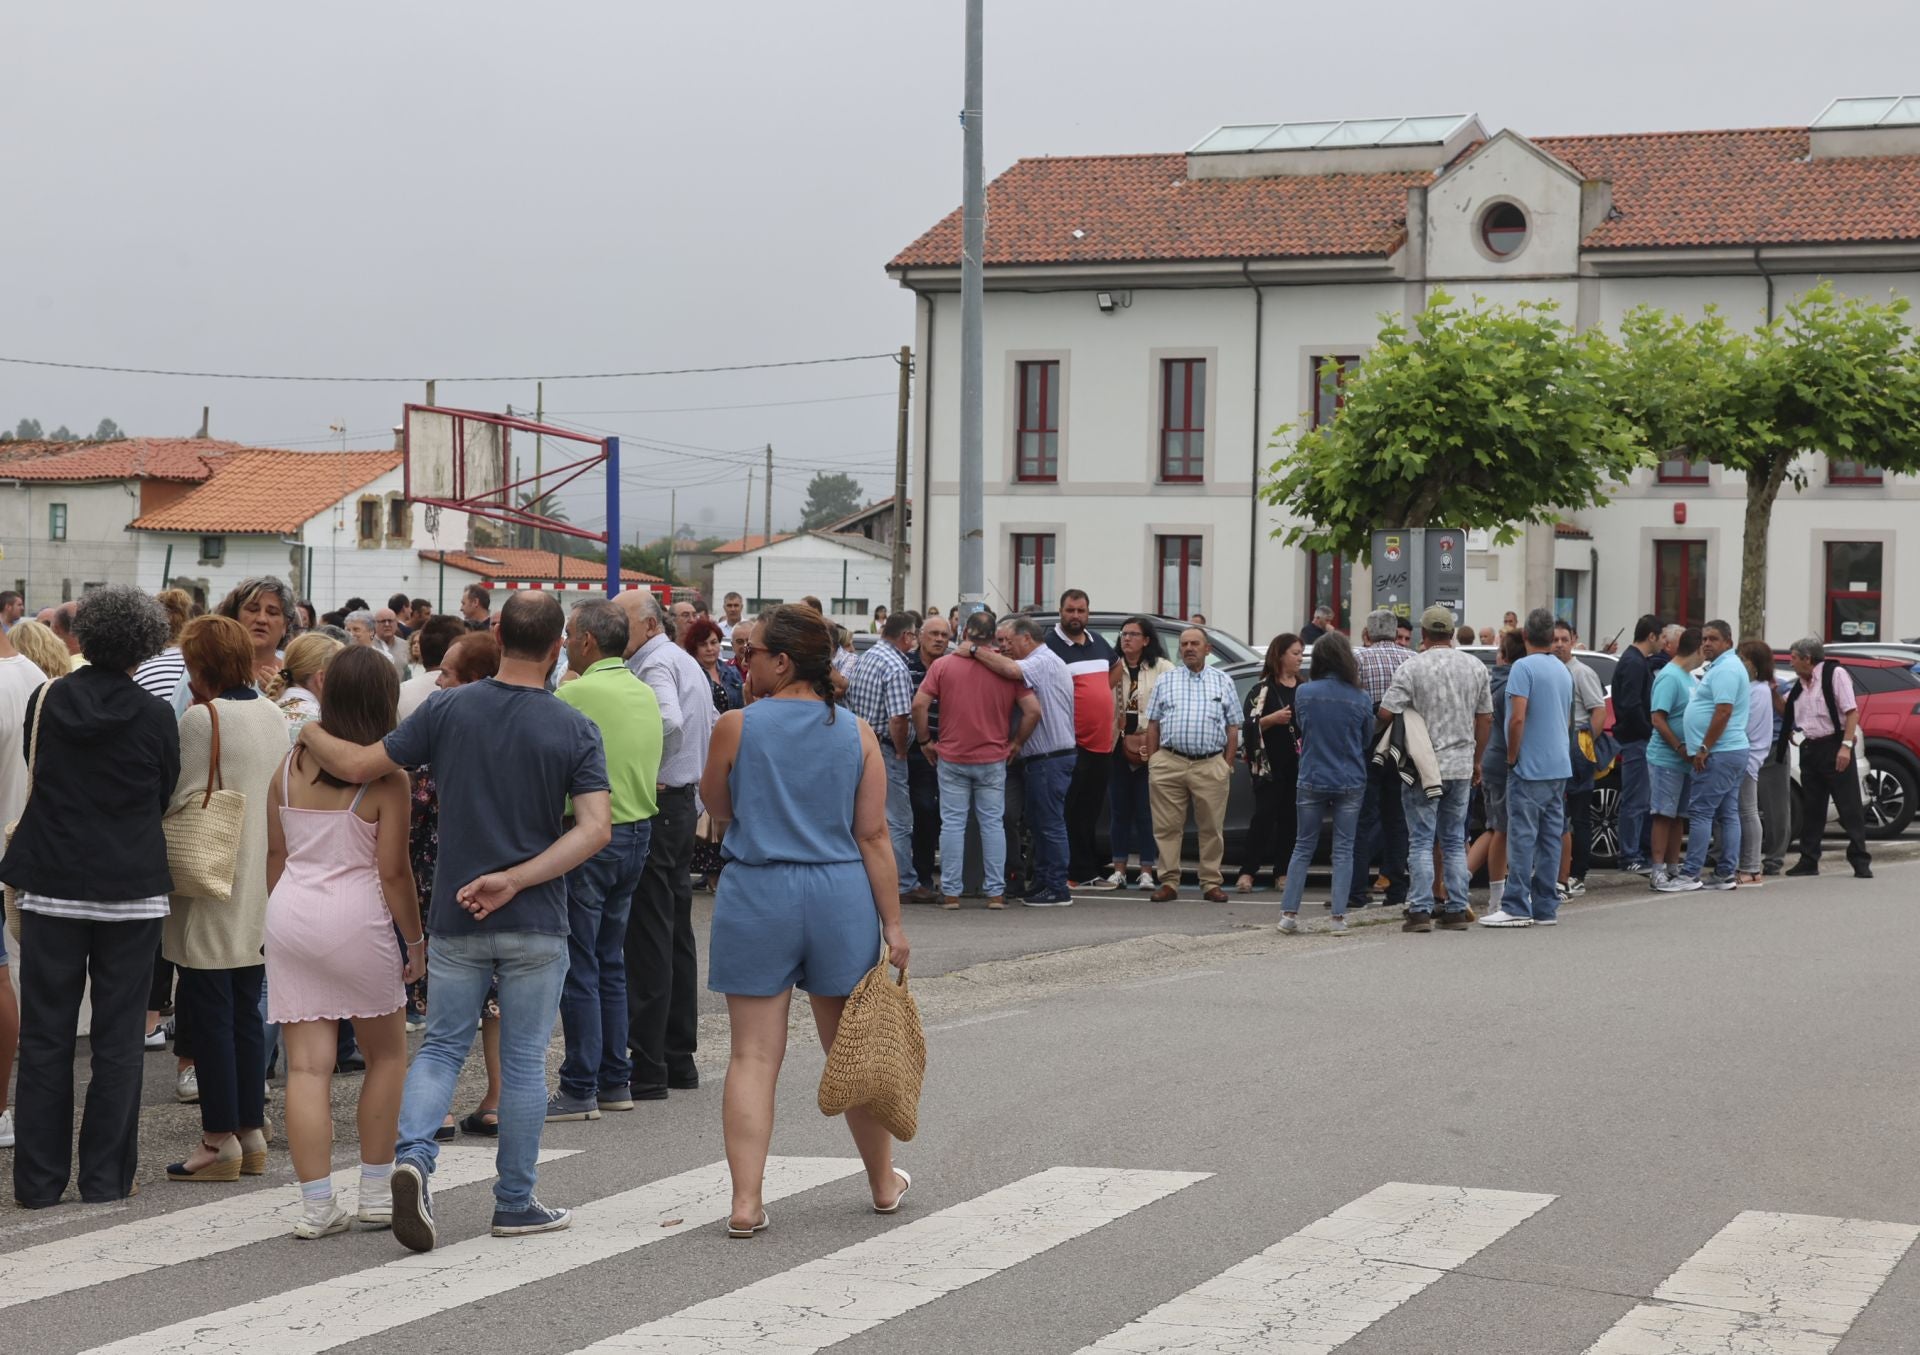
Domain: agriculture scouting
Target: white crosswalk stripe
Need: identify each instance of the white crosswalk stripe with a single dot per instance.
(197, 1232)
(354, 1306)
(1766, 1284)
(1317, 1289)
(825, 1301)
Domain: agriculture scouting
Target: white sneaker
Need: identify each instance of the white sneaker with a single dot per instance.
(376, 1202)
(6, 1129)
(186, 1087)
(1656, 874)
(1678, 884)
(1502, 918)
(1118, 879)
(1576, 886)
(1148, 880)
(1337, 925)
(1289, 923)
(321, 1218)
(157, 1037)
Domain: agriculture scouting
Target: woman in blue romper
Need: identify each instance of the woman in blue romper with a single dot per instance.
(808, 892)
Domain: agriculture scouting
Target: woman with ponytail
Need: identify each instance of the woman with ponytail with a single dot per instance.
(302, 680)
(809, 890)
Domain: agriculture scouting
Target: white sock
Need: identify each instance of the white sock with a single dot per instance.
(1496, 890)
(376, 1171)
(317, 1192)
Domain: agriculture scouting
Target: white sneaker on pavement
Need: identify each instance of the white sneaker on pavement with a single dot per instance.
(321, 1218)
(1502, 918)
(1118, 879)
(186, 1087)
(1678, 884)
(1289, 923)
(1337, 925)
(6, 1129)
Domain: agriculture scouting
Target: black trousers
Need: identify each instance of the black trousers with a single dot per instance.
(1086, 802)
(663, 964)
(1381, 840)
(1275, 824)
(118, 957)
(1019, 877)
(1821, 780)
(923, 787)
(219, 1009)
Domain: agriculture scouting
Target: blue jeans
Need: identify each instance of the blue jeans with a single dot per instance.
(1714, 802)
(1636, 829)
(900, 814)
(1536, 817)
(1313, 804)
(1448, 817)
(981, 787)
(593, 1002)
(1131, 829)
(531, 967)
(1047, 779)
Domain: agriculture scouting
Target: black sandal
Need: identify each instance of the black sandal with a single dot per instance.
(477, 1123)
(446, 1133)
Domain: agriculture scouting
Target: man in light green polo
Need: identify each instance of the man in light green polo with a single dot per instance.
(597, 1073)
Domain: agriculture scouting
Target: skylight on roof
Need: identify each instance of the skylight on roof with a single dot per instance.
(1890, 110)
(1327, 135)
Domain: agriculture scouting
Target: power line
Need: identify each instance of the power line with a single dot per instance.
(708, 409)
(418, 380)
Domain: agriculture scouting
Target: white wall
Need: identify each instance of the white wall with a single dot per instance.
(97, 548)
(791, 570)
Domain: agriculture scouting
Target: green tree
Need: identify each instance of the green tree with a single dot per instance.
(829, 498)
(108, 431)
(28, 430)
(1482, 418)
(650, 559)
(62, 434)
(1838, 378)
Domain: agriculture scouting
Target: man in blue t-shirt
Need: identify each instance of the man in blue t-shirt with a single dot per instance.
(1667, 760)
(1716, 727)
(1539, 762)
(505, 757)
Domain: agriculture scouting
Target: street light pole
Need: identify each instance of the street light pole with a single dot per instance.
(972, 344)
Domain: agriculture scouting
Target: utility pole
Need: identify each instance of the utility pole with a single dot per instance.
(897, 599)
(539, 416)
(972, 345)
(768, 518)
(673, 533)
(746, 518)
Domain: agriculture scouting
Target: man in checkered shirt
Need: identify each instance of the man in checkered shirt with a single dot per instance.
(881, 693)
(1193, 723)
(1381, 837)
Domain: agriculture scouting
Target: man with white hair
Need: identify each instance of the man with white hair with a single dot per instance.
(360, 627)
(1322, 623)
(387, 638)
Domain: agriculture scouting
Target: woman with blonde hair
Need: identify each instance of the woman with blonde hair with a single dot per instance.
(38, 642)
(303, 674)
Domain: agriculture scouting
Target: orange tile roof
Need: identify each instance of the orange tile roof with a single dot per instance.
(740, 545)
(503, 562)
(268, 492)
(1670, 189)
(183, 459)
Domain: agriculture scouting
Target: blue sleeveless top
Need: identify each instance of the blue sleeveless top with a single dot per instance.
(793, 783)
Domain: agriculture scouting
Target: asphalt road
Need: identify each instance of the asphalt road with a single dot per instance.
(1656, 1065)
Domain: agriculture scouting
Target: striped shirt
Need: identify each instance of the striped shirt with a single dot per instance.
(162, 674)
(1378, 663)
(1046, 674)
(880, 689)
(1194, 710)
(95, 910)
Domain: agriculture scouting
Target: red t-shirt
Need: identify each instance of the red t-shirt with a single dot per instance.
(976, 709)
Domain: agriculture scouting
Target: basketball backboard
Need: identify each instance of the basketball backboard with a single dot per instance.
(453, 457)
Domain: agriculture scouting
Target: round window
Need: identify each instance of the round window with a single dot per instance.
(1503, 229)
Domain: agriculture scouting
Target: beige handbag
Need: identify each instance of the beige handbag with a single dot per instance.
(203, 839)
(879, 1056)
(12, 895)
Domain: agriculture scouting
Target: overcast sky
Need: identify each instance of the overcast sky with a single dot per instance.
(429, 189)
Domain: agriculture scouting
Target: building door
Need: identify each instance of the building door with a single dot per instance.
(1680, 582)
(1853, 590)
(1329, 585)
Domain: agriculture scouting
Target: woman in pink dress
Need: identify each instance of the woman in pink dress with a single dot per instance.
(338, 868)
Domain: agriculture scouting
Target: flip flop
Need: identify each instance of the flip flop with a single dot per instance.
(894, 1208)
(759, 1227)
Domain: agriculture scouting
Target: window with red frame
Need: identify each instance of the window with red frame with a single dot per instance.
(1329, 385)
(1680, 582)
(1032, 569)
(1853, 590)
(1682, 470)
(1845, 472)
(1179, 585)
(1183, 420)
(1037, 433)
(1328, 586)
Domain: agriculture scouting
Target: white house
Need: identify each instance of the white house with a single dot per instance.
(504, 569)
(1150, 320)
(849, 573)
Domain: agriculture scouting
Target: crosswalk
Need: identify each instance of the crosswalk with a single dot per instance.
(1759, 1283)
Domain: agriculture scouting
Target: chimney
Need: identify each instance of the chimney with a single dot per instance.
(399, 437)
(206, 412)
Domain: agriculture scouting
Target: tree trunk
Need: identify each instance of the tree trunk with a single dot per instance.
(1762, 490)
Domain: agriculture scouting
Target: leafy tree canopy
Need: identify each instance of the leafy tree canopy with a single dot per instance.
(829, 498)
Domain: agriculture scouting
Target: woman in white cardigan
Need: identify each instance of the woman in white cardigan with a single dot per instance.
(217, 946)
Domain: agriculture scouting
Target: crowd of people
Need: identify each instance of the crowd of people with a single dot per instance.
(493, 822)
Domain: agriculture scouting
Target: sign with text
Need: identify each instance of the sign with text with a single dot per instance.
(1417, 567)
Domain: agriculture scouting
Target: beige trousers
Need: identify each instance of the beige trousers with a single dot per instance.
(1174, 782)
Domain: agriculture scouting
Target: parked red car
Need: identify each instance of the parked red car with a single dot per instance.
(1889, 696)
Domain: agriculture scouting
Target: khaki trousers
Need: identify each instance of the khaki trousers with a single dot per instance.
(1174, 782)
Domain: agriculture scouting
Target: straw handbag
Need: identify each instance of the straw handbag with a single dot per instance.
(879, 1056)
(33, 756)
(203, 838)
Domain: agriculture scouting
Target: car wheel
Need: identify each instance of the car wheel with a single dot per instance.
(1606, 822)
(1891, 798)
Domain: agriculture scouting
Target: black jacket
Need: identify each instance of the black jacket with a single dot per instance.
(109, 757)
(1632, 696)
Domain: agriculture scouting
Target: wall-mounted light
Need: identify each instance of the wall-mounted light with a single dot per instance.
(1108, 302)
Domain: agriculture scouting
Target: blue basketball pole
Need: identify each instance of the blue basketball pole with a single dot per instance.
(613, 517)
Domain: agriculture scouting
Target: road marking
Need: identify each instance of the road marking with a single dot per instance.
(1170, 978)
(363, 1303)
(1766, 1284)
(1319, 1288)
(825, 1301)
(980, 1020)
(192, 1234)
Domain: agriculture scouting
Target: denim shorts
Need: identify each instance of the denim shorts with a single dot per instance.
(1666, 791)
(1493, 793)
(786, 925)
